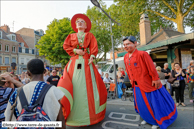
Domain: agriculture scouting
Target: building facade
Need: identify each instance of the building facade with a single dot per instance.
(31, 37)
(8, 50)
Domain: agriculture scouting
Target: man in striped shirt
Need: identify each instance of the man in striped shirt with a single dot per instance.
(6, 89)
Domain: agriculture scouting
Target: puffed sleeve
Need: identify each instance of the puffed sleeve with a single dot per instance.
(93, 46)
(67, 46)
(150, 65)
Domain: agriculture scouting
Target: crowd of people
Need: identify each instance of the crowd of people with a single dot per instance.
(50, 77)
(184, 77)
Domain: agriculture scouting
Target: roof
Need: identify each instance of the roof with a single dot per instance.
(21, 40)
(166, 42)
(4, 34)
(164, 33)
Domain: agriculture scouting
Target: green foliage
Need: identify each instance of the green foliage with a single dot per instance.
(160, 12)
(51, 44)
(101, 29)
(128, 14)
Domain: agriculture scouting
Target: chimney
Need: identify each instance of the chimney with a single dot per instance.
(145, 29)
(5, 28)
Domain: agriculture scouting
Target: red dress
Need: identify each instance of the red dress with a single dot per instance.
(85, 93)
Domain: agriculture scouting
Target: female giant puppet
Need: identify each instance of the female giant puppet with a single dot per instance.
(85, 93)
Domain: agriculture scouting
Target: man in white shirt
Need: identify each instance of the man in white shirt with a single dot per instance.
(51, 104)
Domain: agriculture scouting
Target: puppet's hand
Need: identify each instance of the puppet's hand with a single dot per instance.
(80, 52)
(156, 83)
(91, 60)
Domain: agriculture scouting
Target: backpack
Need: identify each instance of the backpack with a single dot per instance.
(33, 111)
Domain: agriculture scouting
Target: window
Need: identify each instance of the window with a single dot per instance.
(37, 41)
(0, 60)
(0, 47)
(22, 60)
(6, 60)
(26, 50)
(27, 60)
(20, 49)
(7, 48)
(32, 51)
(14, 59)
(13, 37)
(13, 49)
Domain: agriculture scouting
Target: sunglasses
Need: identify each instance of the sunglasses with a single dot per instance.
(128, 39)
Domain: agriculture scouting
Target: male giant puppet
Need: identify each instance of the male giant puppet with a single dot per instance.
(85, 93)
(152, 101)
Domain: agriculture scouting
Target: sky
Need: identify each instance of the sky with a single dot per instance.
(38, 14)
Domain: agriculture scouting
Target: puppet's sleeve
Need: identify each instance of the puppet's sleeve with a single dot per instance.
(93, 46)
(150, 66)
(67, 46)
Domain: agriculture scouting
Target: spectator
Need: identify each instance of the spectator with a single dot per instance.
(161, 75)
(167, 73)
(54, 78)
(16, 78)
(51, 104)
(12, 73)
(46, 75)
(191, 63)
(6, 89)
(123, 72)
(121, 79)
(171, 88)
(120, 74)
(155, 64)
(99, 70)
(107, 81)
(179, 91)
(190, 73)
(24, 78)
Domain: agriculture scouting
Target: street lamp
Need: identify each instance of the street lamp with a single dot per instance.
(96, 3)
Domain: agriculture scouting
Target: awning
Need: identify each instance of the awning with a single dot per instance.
(166, 42)
(121, 54)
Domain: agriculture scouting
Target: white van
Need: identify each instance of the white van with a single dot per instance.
(109, 67)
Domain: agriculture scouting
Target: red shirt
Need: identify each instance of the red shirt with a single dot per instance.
(140, 68)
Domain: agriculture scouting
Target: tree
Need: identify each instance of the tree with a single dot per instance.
(127, 12)
(51, 44)
(172, 10)
(101, 29)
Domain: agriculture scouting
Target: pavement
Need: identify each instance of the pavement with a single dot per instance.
(189, 106)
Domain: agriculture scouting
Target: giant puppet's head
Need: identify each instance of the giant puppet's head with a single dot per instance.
(80, 20)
